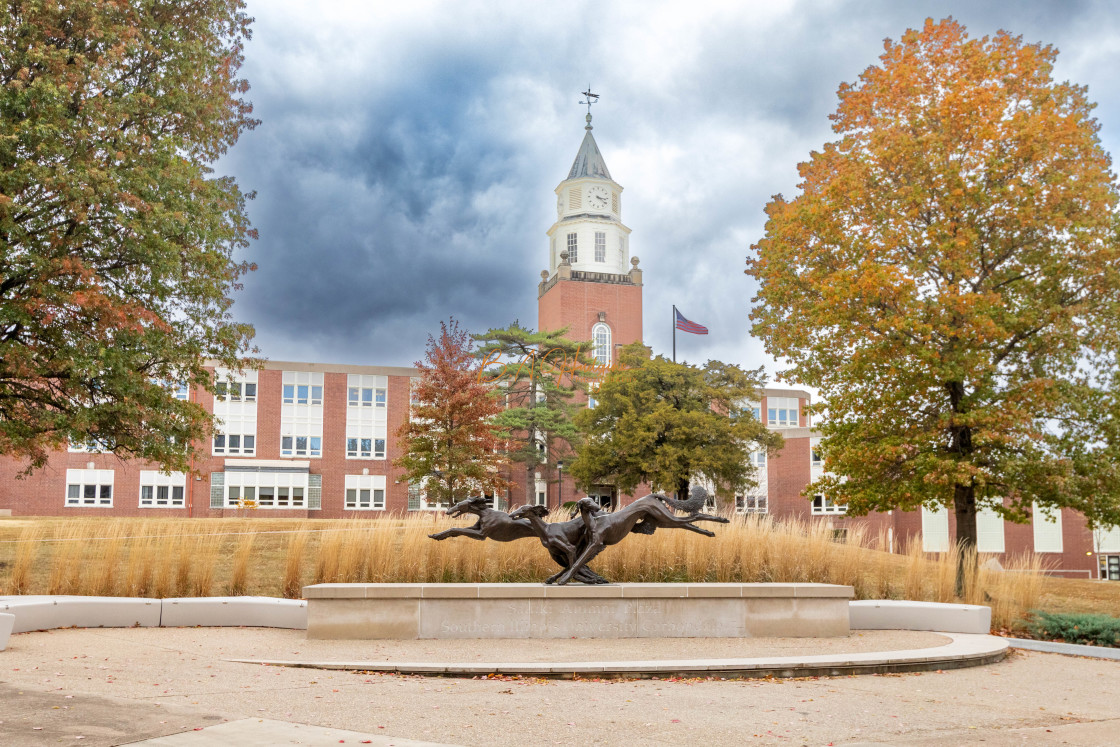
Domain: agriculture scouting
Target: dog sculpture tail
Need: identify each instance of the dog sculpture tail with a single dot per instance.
(697, 498)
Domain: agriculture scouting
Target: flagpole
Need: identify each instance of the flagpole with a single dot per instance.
(674, 333)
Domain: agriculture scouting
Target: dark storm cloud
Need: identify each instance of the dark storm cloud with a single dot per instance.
(406, 160)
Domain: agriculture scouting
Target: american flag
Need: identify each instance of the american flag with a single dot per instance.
(687, 326)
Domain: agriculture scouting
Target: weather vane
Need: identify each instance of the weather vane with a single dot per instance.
(590, 98)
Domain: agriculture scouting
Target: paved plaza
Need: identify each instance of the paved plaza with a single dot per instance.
(178, 687)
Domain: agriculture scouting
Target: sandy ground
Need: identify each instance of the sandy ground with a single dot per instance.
(114, 686)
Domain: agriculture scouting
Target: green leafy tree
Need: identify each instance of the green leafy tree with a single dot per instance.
(667, 423)
(949, 278)
(538, 374)
(452, 444)
(116, 237)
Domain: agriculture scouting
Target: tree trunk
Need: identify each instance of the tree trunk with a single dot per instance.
(964, 505)
(682, 490)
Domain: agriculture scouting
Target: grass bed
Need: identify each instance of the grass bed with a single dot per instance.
(277, 557)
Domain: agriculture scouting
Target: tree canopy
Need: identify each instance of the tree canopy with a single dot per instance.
(117, 240)
(668, 424)
(948, 278)
(452, 444)
(537, 374)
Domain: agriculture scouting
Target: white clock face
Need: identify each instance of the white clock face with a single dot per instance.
(598, 197)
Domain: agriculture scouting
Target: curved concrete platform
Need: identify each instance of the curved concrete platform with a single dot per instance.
(964, 650)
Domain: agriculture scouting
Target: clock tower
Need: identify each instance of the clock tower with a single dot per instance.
(592, 285)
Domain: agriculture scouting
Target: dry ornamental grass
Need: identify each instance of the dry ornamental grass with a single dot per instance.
(275, 557)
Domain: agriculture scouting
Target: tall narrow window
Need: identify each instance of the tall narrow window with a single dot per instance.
(601, 339)
(573, 248)
(600, 246)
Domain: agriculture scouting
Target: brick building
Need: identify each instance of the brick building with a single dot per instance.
(318, 440)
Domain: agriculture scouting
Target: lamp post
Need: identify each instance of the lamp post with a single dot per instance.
(559, 484)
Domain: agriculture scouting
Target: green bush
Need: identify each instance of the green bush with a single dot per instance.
(1094, 630)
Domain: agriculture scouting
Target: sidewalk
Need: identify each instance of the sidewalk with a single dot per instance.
(113, 686)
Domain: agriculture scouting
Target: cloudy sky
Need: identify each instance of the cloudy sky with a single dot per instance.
(408, 151)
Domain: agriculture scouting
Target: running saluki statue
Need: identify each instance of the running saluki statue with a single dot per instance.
(575, 543)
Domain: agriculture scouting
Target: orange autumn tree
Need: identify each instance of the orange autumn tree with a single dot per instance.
(119, 243)
(452, 445)
(949, 278)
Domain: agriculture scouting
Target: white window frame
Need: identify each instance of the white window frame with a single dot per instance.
(301, 415)
(246, 486)
(367, 489)
(367, 425)
(601, 343)
(235, 409)
(573, 248)
(1047, 529)
(173, 488)
(756, 503)
(79, 481)
(783, 412)
(935, 529)
(600, 246)
(824, 506)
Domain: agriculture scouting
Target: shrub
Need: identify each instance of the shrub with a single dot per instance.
(1093, 630)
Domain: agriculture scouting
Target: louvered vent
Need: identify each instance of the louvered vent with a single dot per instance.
(574, 199)
(614, 202)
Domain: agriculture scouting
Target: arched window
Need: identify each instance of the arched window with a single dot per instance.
(601, 339)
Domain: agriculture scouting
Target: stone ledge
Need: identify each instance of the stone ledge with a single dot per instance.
(896, 614)
(428, 611)
(964, 650)
(604, 591)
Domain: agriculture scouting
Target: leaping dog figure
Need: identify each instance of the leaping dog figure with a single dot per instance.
(491, 524)
(643, 516)
(562, 539)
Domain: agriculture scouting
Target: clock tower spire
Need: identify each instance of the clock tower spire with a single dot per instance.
(592, 285)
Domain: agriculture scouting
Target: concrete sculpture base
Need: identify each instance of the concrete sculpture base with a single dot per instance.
(408, 611)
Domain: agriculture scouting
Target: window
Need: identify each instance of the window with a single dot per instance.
(573, 248)
(601, 342)
(158, 490)
(305, 446)
(1109, 566)
(365, 448)
(235, 443)
(89, 447)
(303, 394)
(365, 492)
(614, 202)
(235, 391)
(367, 396)
(758, 460)
(751, 504)
(935, 529)
(600, 246)
(235, 409)
(824, 505)
(301, 414)
(782, 411)
(267, 489)
(367, 415)
(182, 392)
(815, 458)
(89, 487)
(1047, 529)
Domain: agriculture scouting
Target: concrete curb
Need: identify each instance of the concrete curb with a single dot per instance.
(1069, 649)
(50, 612)
(899, 614)
(964, 650)
(7, 622)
